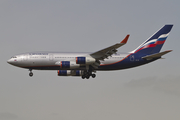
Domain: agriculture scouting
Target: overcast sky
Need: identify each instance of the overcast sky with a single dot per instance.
(147, 92)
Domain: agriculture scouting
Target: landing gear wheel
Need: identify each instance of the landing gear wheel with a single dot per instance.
(93, 75)
(88, 73)
(30, 74)
(87, 77)
(83, 77)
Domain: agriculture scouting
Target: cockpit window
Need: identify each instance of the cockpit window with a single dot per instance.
(14, 57)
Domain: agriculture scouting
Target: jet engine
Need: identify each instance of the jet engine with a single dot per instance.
(70, 72)
(85, 60)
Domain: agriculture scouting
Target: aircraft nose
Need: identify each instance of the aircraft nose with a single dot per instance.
(9, 61)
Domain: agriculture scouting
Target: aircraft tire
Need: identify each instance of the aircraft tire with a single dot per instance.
(30, 74)
(83, 77)
(87, 76)
(93, 75)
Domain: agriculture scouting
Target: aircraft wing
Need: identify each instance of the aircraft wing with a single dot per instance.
(156, 55)
(105, 53)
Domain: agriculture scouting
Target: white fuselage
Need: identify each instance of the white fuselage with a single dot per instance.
(48, 60)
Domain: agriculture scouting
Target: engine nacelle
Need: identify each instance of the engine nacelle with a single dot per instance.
(64, 72)
(78, 73)
(68, 64)
(70, 72)
(85, 60)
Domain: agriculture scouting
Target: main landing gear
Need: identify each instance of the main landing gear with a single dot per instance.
(31, 73)
(87, 75)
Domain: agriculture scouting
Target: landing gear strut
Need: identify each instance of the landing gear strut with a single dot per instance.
(31, 73)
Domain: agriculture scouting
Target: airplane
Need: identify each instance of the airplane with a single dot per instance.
(85, 65)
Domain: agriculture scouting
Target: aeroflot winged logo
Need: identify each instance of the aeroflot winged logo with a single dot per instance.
(86, 64)
(154, 42)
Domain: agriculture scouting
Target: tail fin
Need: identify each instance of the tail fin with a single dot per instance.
(155, 42)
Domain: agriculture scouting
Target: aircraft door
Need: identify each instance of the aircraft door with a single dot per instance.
(51, 57)
(25, 57)
(132, 58)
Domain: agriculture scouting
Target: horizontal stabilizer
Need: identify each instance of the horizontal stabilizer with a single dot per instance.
(156, 55)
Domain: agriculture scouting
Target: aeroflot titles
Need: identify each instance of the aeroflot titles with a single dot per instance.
(38, 53)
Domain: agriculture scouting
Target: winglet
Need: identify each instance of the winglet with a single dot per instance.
(125, 39)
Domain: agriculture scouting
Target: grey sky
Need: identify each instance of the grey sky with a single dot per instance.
(147, 92)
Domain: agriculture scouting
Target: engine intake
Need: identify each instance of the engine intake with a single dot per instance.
(65, 64)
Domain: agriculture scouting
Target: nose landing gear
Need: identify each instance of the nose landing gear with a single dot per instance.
(31, 73)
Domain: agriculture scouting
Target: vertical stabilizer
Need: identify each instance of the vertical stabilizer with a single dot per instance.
(155, 42)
